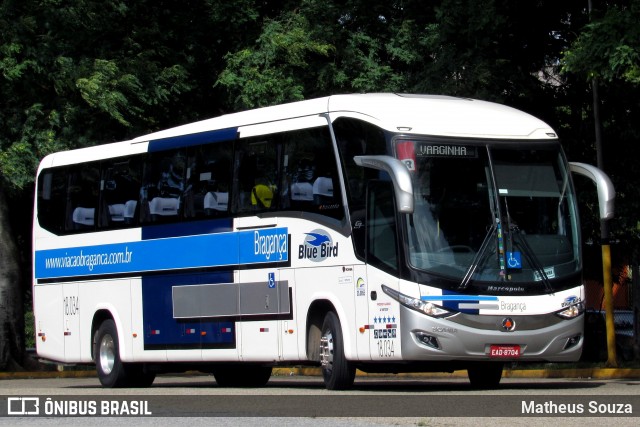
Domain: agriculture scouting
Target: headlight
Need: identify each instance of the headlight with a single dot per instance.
(416, 304)
(572, 311)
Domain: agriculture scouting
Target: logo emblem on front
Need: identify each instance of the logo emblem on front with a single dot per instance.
(508, 324)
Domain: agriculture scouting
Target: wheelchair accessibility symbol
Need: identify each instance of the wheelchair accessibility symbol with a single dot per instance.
(514, 260)
(272, 280)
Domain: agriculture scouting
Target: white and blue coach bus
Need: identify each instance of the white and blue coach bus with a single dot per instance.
(380, 232)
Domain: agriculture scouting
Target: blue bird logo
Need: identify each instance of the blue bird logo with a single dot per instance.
(318, 239)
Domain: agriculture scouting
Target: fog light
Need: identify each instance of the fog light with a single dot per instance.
(428, 340)
(572, 342)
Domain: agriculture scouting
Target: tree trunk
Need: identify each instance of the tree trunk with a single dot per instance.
(11, 298)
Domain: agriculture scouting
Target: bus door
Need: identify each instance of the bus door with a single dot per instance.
(263, 295)
(382, 269)
(288, 325)
(363, 322)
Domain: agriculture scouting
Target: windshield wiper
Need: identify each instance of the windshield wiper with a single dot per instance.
(476, 260)
(531, 257)
(529, 254)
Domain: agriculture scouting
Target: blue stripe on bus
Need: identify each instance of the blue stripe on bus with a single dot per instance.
(210, 250)
(457, 297)
(162, 330)
(192, 139)
(188, 228)
(452, 300)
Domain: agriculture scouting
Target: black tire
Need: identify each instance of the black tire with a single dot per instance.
(106, 354)
(337, 371)
(112, 373)
(485, 376)
(242, 375)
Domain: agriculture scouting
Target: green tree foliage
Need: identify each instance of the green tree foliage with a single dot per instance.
(86, 72)
(492, 50)
(274, 70)
(609, 46)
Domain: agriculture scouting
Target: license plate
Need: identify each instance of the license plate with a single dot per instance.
(508, 351)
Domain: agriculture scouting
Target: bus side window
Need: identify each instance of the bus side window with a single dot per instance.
(311, 174)
(120, 192)
(301, 180)
(52, 198)
(382, 246)
(163, 186)
(356, 138)
(257, 175)
(208, 178)
(82, 197)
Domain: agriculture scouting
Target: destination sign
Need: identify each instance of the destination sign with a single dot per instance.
(442, 150)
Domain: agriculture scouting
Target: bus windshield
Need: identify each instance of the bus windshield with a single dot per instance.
(488, 213)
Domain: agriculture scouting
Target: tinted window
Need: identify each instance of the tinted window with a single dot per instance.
(381, 230)
(121, 183)
(163, 186)
(208, 187)
(82, 197)
(310, 175)
(287, 171)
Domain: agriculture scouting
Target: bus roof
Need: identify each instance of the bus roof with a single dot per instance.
(433, 115)
(438, 115)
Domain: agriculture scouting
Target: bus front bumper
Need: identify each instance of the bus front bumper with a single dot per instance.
(482, 337)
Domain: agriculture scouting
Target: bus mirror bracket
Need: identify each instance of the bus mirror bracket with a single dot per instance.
(606, 192)
(400, 175)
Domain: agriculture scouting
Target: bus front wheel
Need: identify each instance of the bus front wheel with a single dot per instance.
(337, 372)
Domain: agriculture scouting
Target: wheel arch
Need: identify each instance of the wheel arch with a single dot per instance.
(100, 316)
(315, 317)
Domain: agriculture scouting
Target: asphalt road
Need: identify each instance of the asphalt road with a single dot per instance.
(191, 400)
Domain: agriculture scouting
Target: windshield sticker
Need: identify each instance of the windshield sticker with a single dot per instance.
(407, 154)
(550, 272)
(514, 260)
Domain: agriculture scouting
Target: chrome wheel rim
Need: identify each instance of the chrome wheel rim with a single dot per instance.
(326, 351)
(107, 354)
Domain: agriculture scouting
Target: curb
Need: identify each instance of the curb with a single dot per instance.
(582, 373)
(36, 375)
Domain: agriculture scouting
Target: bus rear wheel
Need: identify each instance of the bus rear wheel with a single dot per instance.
(337, 372)
(485, 375)
(112, 373)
